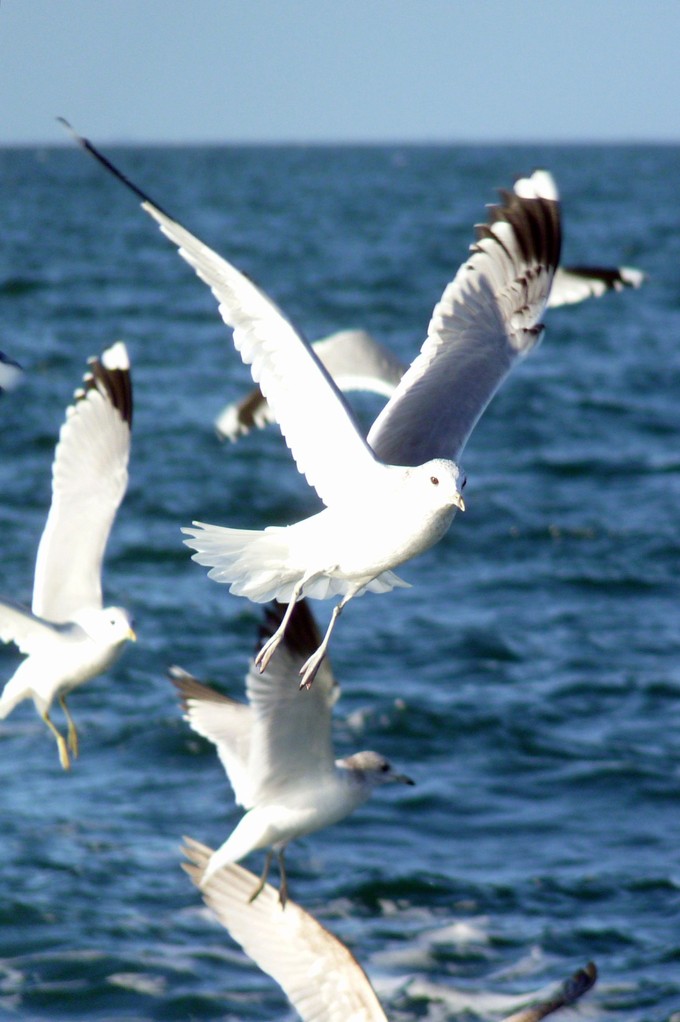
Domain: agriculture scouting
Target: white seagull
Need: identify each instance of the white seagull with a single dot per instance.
(393, 495)
(278, 752)
(318, 973)
(356, 361)
(67, 636)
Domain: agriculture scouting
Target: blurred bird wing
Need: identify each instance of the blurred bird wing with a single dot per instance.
(574, 284)
(291, 737)
(27, 631)
(567, 994)
(89, 478)
(224, 722)
(355, 361)
(320, 976)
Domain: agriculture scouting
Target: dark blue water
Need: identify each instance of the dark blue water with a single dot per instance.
(530, 679)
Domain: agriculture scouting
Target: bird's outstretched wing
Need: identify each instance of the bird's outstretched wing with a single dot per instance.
(291, 726)
(574, 284)
(314, 418)
(89, 478)
(282, 734)
(487, 318)
(224, 722)
(319, 975)
(27, 631)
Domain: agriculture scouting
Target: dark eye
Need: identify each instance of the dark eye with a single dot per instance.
(462, 485)
(384, 768)
(434, 480)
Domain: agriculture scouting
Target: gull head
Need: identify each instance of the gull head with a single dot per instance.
(372, 769)
(110, 626)
(438, 484)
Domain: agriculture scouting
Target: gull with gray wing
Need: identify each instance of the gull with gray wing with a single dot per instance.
(393, 495)
(278, 751)
(68, 636)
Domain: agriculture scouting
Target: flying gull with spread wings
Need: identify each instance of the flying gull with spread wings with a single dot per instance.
(277, 750)
(68, 636)
(392, 495)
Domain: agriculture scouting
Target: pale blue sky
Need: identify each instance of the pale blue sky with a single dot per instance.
(364, 70)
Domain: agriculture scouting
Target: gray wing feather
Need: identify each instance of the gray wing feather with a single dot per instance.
(291, 727)
(225, 723)
(27, 631)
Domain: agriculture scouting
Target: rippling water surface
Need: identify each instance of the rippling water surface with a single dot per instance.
(529, 681)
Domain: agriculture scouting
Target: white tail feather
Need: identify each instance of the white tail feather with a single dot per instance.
(258, 565)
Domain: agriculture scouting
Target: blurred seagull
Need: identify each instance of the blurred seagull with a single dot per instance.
(10, 373)
(392, 496)
(318, 973)
(573, 284)
(67, 636)
(353, 358)
(356, 361)
(277, 751)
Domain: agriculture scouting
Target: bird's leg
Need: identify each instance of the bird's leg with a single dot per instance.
(311, 666)
(269, 648)
(72, 736)
(61, 744)
(263, 878)
(283, 883)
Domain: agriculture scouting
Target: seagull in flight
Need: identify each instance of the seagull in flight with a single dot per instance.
(277, 750)
(393, 495)
(68, 636)
(320, 976)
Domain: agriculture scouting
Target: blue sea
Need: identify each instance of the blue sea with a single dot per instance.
(529, 681)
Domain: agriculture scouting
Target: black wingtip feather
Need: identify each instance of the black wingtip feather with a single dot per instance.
(116, 384)
(85, 144)
(536, 223)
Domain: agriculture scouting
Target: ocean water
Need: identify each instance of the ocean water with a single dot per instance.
(530, 679)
